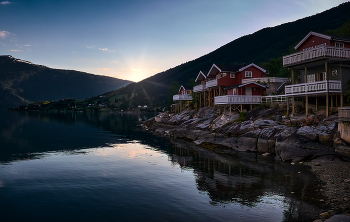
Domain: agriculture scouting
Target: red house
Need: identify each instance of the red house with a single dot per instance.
(324, 65)
(233, 84)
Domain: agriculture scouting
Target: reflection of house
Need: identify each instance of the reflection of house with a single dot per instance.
(324, 65)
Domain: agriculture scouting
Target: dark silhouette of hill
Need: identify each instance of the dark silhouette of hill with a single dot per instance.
(259, 47)
(22, 82)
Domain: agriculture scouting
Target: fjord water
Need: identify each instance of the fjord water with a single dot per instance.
(104, 167)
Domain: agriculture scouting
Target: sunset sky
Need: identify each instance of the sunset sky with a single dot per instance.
(134, 39)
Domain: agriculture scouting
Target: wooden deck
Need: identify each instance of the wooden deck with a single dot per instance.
(237, 99)
(266, 79)
(186, 97)
(200, 88)
(319, 87)
(325, 51)
(212, 83)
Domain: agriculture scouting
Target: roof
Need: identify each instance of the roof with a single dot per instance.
(325, 36)
(244, 84)
(223, 68)
(200, 76)
(186, 87)
(252, 64)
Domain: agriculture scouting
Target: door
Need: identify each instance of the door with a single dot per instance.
(248, 91)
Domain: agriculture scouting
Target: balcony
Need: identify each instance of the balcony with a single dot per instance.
(266, 79)
(199, 88)
(237, 99)
(325, 51)
(186, 97)
(212, 83)
(320, 87)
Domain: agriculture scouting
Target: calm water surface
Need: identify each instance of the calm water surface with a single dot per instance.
(103, 167)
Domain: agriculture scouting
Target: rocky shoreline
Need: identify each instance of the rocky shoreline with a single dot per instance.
(312, 141)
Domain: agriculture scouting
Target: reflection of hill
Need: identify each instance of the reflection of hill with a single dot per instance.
(24, 135)
(246, 178)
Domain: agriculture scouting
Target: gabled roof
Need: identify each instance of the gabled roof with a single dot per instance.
(184, 87)
(329, 37)
(244, 84)
(201, 76)
(252, 64)
(223, 68)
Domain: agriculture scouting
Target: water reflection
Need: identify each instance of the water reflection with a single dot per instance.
(227, 177)
(247, 178)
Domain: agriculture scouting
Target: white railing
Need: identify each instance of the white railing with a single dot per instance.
(266, 79)
(199, 88)
(326, 51)
(182, 97)
(313, 87)
(344, 112)
(237, 99)
(212, 83)
(274, 99)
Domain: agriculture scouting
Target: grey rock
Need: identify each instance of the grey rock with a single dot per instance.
(248, 141)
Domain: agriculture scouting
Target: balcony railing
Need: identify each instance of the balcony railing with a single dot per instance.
(199, 88)
(274, 99)
(266, 79)
(237, 99)
(212, 83)
(314, 87)
(344, 113)
(325, 51)
(186, 97)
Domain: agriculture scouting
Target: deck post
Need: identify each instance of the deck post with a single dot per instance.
(287, 106)
(316, 104)
(341, 100)
(241, 107)
(306, 105)
(200, 100)
(230, 109)
(331, 103)
(327, 86)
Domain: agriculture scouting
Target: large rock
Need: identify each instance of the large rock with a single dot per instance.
(266, 140)
(230, 142)
(296, 148)
(223, 120)
(248, 141)
(242, 128)
(341, 147)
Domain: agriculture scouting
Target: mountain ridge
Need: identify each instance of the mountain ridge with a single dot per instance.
(23, 82)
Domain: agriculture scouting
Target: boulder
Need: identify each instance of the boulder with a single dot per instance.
(248, 141)
(223, 120)
(266, 140)
(341, 147)
(230, 142)
(308, 131)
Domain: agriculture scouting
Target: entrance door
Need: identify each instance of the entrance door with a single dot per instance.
(248, 91)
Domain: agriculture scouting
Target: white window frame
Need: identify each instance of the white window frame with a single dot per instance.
(248, 74)
(339, 44)
(324, 76)
(232, 75)
(311, 78)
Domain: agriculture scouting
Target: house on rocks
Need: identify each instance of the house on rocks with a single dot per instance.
(182, 98)
(235, 85)
(323, 62)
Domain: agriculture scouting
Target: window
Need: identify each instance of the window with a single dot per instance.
(311, 78)
(224, 74)
(232, 75)
(324, 76)
(339, 44)
(248, 73)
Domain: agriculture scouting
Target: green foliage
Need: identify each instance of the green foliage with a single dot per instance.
(241, 117)
(173, 90)
(344, 30)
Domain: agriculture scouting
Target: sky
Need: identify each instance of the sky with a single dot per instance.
(135, 39)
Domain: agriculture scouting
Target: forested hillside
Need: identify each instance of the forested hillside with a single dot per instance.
(22, 82)
(261, 47)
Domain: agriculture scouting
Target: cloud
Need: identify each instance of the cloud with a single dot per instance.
(4, 34)
(105, 69)
(114, 62)
(89, 47)
(15, 50)
(5, 3)
(27, 45)
(105, 49)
